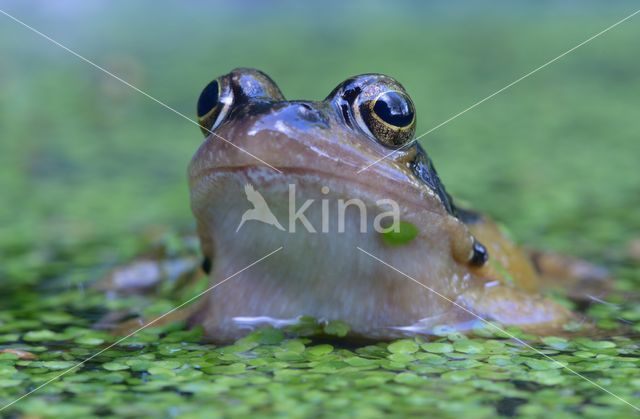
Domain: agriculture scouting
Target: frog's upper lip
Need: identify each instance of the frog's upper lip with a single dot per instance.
(280, 145)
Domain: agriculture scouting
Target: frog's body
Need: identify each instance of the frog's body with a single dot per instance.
(466, 266)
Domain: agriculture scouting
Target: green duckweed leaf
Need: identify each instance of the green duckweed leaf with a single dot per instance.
(336, 328)
(468, 346)
(406, 233)
(115, 366)
(403, 347)
(437, 347)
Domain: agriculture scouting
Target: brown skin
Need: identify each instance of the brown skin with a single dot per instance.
(318, 145)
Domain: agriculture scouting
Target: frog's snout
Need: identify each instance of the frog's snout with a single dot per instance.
(302, 115)
(308, 113)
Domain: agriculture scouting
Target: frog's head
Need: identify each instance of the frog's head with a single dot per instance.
(248, 123)
(256, 141)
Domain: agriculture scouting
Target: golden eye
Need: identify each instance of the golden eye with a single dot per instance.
(394, 108)
(390, 118)
(237, 88)
(379, 106)
(208, 99)
(213, 105)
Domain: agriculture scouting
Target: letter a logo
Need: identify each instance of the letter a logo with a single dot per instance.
(260, 211)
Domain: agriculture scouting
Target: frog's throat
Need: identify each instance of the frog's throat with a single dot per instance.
(321, 274)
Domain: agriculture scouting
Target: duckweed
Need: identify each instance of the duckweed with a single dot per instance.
(406, 233)
(169, 370)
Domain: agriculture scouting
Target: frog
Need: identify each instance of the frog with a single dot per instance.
(357, 146)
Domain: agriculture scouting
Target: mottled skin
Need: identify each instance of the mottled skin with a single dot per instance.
(324, 275)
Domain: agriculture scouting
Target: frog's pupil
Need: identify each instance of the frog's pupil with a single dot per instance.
(208, 98)
(394, 109)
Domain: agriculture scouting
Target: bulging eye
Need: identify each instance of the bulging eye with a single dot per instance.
(394, 108)
(379, 106)
(213, 104)
(389, 117)
(240, 86)
(208, 98)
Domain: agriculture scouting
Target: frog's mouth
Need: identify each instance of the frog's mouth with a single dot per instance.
(317, 199)
(286, 159)
(352, 187)
(284, 147)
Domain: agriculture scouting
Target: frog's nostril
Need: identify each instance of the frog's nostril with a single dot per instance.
(309, 113)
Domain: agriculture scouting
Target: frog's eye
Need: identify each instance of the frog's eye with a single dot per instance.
(238, 87)
(213, 104)
(393, 108)
(389, 117)
(379, 106)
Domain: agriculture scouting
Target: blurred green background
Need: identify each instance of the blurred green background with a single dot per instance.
(85, 157)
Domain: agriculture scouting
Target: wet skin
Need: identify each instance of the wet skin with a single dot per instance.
(319, 147)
